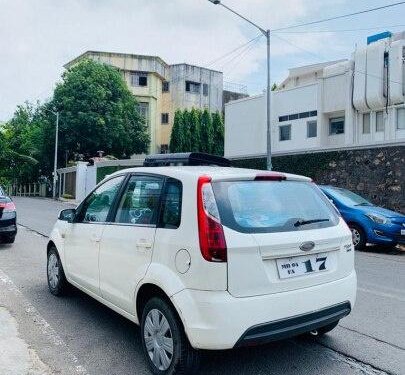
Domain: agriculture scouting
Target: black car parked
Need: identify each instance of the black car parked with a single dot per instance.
(8, 218)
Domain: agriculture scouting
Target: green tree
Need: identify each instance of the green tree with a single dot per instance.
(195, 116)
(21, 144)
(176, 138)
(207, 132)
(97, 112)
(186, 131)
(218, 125)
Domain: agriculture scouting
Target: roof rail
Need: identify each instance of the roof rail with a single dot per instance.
(186, 158)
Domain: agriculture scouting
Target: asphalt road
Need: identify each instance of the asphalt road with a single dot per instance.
(77, 335)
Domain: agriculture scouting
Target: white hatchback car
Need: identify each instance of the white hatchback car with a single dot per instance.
(207, 257)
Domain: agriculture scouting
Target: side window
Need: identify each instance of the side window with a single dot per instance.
(170, 215)
(140, 202)
(97, 205)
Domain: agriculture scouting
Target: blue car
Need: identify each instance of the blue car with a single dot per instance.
(368, 223)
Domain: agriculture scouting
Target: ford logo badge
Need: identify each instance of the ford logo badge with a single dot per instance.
(307, 246)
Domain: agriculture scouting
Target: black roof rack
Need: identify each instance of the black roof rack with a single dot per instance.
(186, 158)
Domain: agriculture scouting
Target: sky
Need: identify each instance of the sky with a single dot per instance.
(37, 37)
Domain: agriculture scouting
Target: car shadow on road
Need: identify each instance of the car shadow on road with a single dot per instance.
(4, 247)
(118, 342)
(374, 249)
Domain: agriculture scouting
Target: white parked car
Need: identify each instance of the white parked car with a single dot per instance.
(207, 257)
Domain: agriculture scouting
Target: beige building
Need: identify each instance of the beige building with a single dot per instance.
(161, 89)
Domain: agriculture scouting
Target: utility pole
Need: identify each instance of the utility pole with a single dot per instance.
(55, 165)
(266, 33)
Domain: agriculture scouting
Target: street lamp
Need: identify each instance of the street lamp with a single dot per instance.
(266, 33)
(55, 164)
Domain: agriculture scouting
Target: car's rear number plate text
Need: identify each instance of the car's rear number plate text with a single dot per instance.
(302, 265)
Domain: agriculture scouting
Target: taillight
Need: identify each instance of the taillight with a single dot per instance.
(210, 230)
(7, 207)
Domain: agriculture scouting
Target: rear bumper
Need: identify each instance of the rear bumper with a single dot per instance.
(217, 320)
(9, 230)
(285, 328)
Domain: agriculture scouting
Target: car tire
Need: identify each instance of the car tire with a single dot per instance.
(359, 236)
(8, 239)
(323, 330)
(390, 247)
(57, 282)
(167, 350)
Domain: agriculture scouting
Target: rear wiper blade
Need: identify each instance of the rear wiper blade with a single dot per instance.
(363, 204)
(305, 222)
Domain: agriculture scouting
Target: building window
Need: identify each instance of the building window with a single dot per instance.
(401, 118)
(205, 89)
(311, 129)
(336, 125)
(165, 118)
(303, 115)
(164, 149)
(193, 87)
(143, 109)
(385, 74)
(379, 121)
(285, 133)
(366, 123)
(296, 116)
(165, 86)
(139, 79)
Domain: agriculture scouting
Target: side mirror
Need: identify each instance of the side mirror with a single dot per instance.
(67, 215)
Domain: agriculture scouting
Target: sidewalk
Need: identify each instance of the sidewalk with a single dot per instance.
(16, 358)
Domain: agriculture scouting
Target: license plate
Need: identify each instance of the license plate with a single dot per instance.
(303, 265)
(402, 232)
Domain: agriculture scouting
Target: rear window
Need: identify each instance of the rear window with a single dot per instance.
(273, 206)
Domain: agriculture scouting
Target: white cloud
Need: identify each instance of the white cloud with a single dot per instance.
(38, 37)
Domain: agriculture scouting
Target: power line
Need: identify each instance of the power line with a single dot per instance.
(299, 47)
(232, 51)
(241, 58)
(240, 54)
(337, 30)
(340, 16)
(354, 71)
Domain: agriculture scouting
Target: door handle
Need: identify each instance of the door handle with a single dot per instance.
(144, 244)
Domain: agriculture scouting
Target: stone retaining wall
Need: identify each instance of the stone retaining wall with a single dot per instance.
(378, 174)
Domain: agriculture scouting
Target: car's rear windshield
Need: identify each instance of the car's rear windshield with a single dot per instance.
(273, 206)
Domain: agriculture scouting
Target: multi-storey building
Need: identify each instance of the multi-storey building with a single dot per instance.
(161, 89)
(354, 103)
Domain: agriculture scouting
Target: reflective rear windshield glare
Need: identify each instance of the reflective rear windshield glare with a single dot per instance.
(272, 206)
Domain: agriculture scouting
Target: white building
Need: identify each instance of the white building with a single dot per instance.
(338, 104)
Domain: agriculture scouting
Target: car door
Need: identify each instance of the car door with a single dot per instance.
(127, 241)
(82, 238)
